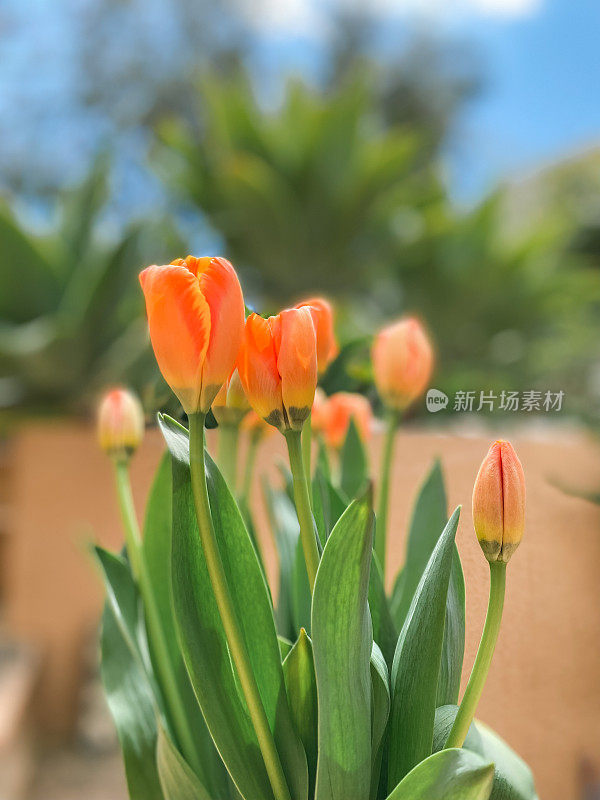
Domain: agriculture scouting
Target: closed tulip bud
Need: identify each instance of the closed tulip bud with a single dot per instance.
(120, 423)
(499, 502)
(322, 314)
(278, 366)
(231, 404)
(341, 409)
(402, 363)
(196, 319)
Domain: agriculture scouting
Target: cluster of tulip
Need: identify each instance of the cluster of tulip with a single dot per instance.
(211, 618)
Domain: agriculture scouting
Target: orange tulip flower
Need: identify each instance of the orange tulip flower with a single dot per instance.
(120, 423)
(196, 318)
(402, 362)
(322, 314)
(499, 502)
(231, 404)
(278, 366)
(341, 408)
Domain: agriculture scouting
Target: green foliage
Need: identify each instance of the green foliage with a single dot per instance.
(456, 774)
(343, 726)
(302, 195)
(71, 312)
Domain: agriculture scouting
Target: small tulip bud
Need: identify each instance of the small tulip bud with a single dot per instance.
(120, 423)
(499, 502)
(402, 362)
(340, 410)
(230, 405)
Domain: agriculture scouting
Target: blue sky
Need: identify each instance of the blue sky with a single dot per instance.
(541, 59)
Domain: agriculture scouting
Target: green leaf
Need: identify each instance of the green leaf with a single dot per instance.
(513, 779)
(428, 521)
(453, 648)
(300, 681)
(130, 694)
(204, 643)
(384, 630)
(354, 464)
(286, 533)
(416, 665)
(328, 504)
(131, 703)
(285, 645)
(380, 688)
(178, 781)
(449, 775)
(342, 643)
(157, 556)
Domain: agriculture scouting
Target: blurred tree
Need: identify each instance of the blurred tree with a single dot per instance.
(71, 313)
(303, 195)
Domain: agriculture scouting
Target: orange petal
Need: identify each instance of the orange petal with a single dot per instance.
(296, 347)
(179, 322)
(322, 314)
(513, 498)
(488, 506)
(343, 407)
(257, 367)
(402, 362)
(221, 288)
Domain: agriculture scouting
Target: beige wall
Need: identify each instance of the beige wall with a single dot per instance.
(543, 693)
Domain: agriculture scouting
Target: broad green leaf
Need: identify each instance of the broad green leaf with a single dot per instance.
(177, 779)
(286, 533)
(204, 644)
(201, 750)
(300, 591)
(453, 648)
(384, 630)
(353, 462)
(342, 642)
(380, 687)
(131, 696)
(513, 779)
(328, 504)
(416, 665)
(323, 458)
(396, 599)
(428, 519)
(449, 775)
(132, 705)
(300, 681)
(285, 645)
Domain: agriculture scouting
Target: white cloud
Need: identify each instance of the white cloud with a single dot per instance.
(310, 16)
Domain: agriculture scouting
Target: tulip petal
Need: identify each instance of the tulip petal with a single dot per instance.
(180, 324)
(295, 344)
(322, 315)
(513, 494)
(221, 288)
(488, 507)
(257, 367)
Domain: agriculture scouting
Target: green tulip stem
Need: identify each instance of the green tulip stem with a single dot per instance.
(228, 450)
(231, 625)
(253, 442)
(307, 455)
(168, 679)
(393, 419)
(468, 706)
(303, 509)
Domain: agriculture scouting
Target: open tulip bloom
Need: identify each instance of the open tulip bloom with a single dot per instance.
(339, 690)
